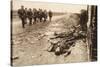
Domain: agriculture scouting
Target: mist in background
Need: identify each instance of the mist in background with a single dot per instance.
(55, 7)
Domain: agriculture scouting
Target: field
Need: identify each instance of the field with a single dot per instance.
(30, 45)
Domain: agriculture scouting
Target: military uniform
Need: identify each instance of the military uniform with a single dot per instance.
(50, 15)
(35, 15)
(21, 13)
(83, 20)
(40, 15)
(26, 16)
(45, 15)
(30, 15)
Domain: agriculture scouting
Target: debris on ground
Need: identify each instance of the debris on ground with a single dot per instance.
(15, 57)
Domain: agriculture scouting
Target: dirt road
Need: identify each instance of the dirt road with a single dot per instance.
(30, 44)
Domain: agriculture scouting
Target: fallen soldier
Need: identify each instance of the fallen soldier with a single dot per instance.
(62, 43)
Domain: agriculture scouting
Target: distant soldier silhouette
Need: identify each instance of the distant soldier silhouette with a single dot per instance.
(50, 15)
(83, 20)
(21, 13)
(26, 15)
(45, 15)
(40, 15)
(30, 15)
(35, 15)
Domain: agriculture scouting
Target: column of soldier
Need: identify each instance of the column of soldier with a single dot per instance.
(33, 15)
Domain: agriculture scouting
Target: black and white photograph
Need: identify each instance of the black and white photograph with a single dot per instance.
(52, 33)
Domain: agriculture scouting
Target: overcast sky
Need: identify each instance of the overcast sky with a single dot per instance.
(56, 7)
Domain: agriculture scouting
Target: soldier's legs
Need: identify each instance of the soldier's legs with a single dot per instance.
(44, 19)
(25, 20)
(23, 23)
(30, 21)
(49, 18)
(40, 19)
(81, 24)
(85, 28)
(34, 19)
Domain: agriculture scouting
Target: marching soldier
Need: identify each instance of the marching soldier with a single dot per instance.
(40, 15)
(45, 15)
(26, 15)
(35, 15)
(30, 15)
(50, 15)
(21, 13)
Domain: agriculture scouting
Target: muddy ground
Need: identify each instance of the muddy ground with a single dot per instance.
(30, 44)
